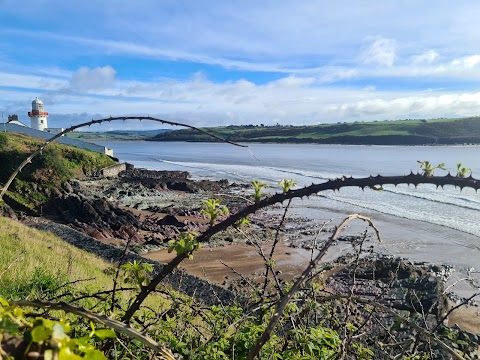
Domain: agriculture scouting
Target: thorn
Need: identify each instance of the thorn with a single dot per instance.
(411, 173)
(471, 176)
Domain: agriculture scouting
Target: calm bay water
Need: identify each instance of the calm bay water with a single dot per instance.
(421, 223)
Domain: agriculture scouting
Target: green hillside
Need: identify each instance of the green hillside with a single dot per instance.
(400, 132)
(38, 180)
(115, 134)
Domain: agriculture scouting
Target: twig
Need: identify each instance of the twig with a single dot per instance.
(12, 263)
(117, 272)
(445, 317)
(241, 276)
(272, 251)
(67, 284)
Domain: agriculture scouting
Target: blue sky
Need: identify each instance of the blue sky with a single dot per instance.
(240, 62)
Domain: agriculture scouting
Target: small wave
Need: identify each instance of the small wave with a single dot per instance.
(300, 173)
(442, 198)
(410, 214)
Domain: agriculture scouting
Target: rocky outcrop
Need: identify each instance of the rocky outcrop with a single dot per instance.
(95, 217)
(171, 180)
(7, 211)
(393, 282)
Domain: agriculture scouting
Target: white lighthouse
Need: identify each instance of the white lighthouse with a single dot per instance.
(38, 117)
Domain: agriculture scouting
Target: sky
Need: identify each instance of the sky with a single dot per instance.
(224, 62)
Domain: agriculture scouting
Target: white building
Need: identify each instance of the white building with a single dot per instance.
(39, 128)
(38, 116)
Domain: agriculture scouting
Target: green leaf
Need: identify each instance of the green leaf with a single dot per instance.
(68, 354)
(40, 333)
(105, 334)
(4, 302)
(94, 354)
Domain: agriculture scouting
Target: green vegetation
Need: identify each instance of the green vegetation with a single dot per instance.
(37, 266)
(57, 164)
(428, 169)
(400, 132)
(212, 208)
(115, 134)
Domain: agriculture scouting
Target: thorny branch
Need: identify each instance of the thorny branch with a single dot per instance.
(99, 121)
(116, 325)
(336, 184)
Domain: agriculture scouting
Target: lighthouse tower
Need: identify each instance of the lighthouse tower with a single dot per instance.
(38, 117)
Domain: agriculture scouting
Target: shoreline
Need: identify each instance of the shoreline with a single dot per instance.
(410, 239)
(150, 199)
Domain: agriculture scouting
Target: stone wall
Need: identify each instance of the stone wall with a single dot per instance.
(63, 140)
(111, 171)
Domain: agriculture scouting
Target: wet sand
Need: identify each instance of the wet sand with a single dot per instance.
(210, 263)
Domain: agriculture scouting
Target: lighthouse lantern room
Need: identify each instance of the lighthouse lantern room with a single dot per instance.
(38, 117)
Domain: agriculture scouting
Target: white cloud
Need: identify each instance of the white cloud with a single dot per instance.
(85, 79)
(381, 52)
(28, 81)
(427, 57)
(467, 62)
(201, 101)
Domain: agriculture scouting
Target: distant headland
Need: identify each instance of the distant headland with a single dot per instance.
(440, 131)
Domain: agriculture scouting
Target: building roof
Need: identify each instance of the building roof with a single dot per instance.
(16, 122)
(37, 101)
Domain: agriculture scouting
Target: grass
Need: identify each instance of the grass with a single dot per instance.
(33, 262)
(57, 164)
(29, 254)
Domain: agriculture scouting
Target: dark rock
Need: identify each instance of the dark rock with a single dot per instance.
(7, 211)
(171, 180)
(67, 187)
(170, 220)
(95, 216)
